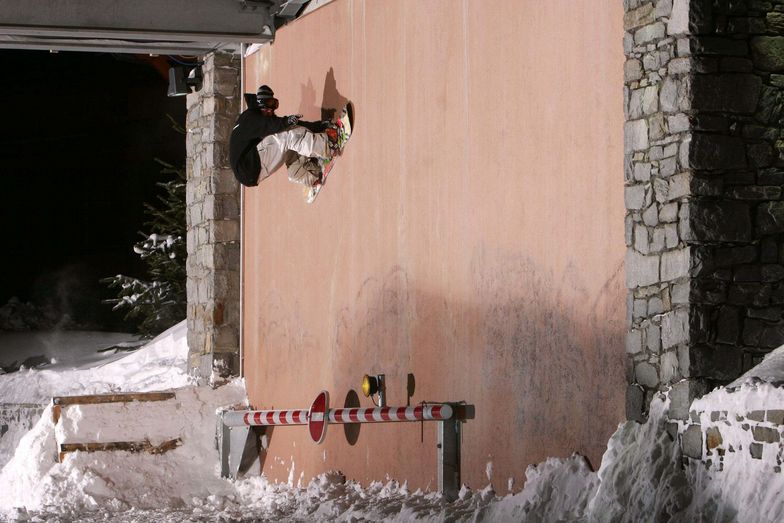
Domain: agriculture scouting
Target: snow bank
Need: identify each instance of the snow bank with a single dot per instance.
(641, 477)
(118, 481)
(161, 364)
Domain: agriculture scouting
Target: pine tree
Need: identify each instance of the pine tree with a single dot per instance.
(160, 301)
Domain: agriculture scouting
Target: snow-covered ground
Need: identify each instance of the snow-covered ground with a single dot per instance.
(640, 478)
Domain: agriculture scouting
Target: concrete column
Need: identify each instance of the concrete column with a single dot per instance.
(213, 218)
(704, 164)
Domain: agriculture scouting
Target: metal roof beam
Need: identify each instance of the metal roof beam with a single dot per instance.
(87, 22)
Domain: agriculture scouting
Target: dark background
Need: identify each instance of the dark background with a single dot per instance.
(78, 143)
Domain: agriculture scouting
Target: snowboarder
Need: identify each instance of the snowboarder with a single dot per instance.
(262, 142)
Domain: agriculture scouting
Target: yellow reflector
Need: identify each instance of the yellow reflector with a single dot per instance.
(369, 385)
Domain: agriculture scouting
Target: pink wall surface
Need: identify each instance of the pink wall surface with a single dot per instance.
(472, 234)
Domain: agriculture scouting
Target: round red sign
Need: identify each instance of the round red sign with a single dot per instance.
(317, 417)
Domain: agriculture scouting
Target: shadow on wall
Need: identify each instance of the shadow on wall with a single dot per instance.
(542, 361)
(332, 99)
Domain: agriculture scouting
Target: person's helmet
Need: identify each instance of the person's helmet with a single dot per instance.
(266, 98)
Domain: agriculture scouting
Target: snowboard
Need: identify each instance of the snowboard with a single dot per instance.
(344, 124)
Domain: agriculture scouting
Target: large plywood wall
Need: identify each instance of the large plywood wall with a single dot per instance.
(472, 234)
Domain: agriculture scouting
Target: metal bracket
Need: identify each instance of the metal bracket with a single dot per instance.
(235, 445)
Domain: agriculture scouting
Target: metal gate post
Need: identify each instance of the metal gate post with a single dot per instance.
(232, 443)
(449, 458)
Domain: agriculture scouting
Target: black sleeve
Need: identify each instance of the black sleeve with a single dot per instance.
(314, 127)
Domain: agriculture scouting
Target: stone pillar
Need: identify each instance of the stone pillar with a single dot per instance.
(213, 218)
(703, 169)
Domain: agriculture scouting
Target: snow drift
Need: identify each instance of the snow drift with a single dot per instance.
(641, 477)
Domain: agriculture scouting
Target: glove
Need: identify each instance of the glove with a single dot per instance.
(293, 119)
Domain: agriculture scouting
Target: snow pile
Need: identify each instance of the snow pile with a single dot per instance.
(118, 481)
(640, 478)
(641, 473)
(79, 369)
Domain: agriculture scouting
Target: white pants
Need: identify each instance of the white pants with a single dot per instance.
(297, 148)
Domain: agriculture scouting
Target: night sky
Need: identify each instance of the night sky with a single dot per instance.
(78, 142)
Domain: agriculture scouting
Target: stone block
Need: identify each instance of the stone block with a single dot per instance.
(680, 293)
(678, 123)
(658, 240)
(667, 167)
(679, 66)
(755, 449)
(634, 341)
(635, 136)
(720, 220)
(733, 93)
(668, 367)
(642, 171)
(661, 190)
(635, 197)
(769, 109)
(650, 216)
(639, 17)
(649, 33)
(691, 441)
(646, 375)
(720, 362)
(675, 264)
(768, 52)
(641, 239)
(671, 239)
(632, 70)
(651, 62)
(736, 65)
(668, 95)
(756, 192)
(653, 338)
(713, 438)
(775, 416)
(641, 270)
(728, 325)
(772, 336)
(715, 151)
(679, 186)
(720, 46)
(759, 155)
(674, 328)
(772, 273)
(669, 212)
(635, 403)
(657, 127)
(770, 217)
(749, 294)
(679, 18)
(747, 273)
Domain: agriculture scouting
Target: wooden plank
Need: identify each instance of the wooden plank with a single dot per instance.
(91, 399)
(129, 446)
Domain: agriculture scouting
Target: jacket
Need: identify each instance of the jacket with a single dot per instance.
(253, 126)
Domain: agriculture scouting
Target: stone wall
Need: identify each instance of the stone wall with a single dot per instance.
(213, 216)
(734, 437)
(657, 178)
(704, 165)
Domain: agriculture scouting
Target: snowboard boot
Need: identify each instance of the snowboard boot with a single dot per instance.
(333, 139)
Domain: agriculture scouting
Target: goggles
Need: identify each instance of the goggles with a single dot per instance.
(269, 103)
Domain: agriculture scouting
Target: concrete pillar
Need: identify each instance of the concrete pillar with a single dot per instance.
(213, 218)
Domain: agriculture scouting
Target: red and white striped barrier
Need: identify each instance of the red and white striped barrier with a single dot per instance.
(254, 418)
